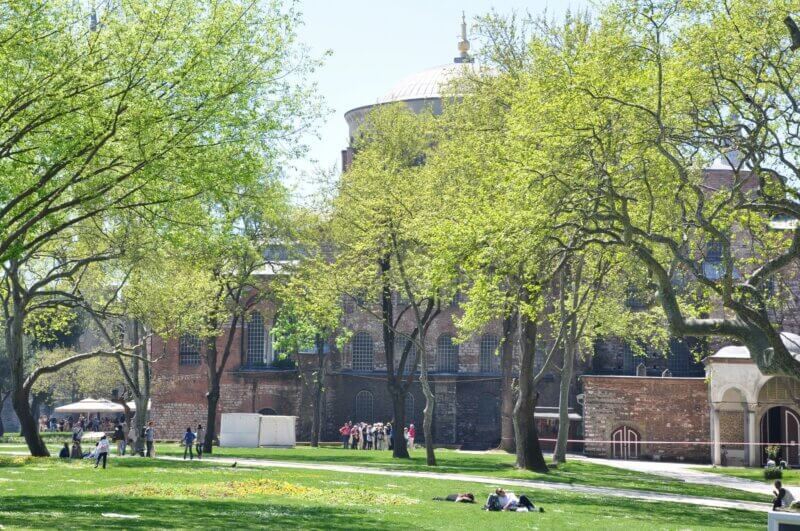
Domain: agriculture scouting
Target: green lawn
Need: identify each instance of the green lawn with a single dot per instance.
(492, 464)
(139, 493)
(790, 477)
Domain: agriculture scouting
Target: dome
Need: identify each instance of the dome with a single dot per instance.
(419, 91)
(426, 84)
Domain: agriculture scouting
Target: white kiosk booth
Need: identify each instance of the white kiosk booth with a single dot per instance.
(251, 430)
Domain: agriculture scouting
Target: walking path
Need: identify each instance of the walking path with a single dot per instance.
(684, 472)
(542, 485)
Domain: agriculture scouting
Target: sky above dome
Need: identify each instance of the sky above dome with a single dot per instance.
(375, 44)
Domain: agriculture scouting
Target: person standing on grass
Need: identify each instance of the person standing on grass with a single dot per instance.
(199, 441)
(77, 437)
(188, 443)
(389, 441)
(119, 438)
(368, 437)
(344, 433)
(412, 434)
(101, 451)
(150, 439)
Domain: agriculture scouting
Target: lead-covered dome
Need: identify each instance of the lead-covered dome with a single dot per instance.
(426, 84)
(419, 91)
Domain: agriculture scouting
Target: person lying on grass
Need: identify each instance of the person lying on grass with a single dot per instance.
(467, 497)
(508, 501)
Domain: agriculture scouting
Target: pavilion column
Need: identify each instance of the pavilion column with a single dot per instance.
(716, 457)
(752, 450)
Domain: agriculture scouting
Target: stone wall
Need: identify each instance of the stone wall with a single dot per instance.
(658, 409)
(731, 428)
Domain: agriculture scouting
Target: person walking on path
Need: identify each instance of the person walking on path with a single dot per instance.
(188, 443)
(199, 441)
(150, 439)
(102, 451)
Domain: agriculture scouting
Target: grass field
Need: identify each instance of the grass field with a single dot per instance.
(790, 477)
(144, 494)
(492, 464)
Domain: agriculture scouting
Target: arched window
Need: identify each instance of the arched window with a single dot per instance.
(490, 358)
(189, 350)
(629, 361)
(400, 342)
(256, 340)
(362, 349)
(410, 409)
(363, 407)
(446, 354)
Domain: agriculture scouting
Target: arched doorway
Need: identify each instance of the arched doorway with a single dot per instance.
(625, 443)
(267, 411)
(780, 425)
(488, 420)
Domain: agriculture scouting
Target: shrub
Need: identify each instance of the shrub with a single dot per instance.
(773, 452)
(283, 362)
(773, 472)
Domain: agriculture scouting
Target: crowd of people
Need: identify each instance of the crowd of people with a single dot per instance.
(66, 424)
(120, 434)
(377, 436)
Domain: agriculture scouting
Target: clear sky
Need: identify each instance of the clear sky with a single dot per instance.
(375, 44)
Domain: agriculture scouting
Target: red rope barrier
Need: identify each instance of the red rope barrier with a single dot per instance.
(707, 443)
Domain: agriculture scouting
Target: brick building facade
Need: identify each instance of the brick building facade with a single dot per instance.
(628, 416)
(465, 378)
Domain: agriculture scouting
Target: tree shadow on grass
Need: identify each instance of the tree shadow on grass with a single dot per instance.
(673, 515)
(81, 512)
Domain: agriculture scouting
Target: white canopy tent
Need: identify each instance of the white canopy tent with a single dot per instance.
(96, 405)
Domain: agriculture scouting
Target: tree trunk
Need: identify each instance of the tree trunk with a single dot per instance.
(319, 394)
(506, 387)
(140, 423)
(20, 399)
(560, 452)
(3, 399)
(212, 401)
(20, 395)
(36, 408)
(529, 453)
(430, 402)
(399, 448)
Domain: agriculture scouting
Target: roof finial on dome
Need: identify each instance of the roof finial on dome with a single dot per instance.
(463, 45)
